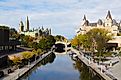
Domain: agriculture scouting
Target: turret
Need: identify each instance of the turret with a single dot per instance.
(108, 20)
(85, 22)
(109, 15)
(42, 28)
(50, 31)
(27, 24)
(84, 19)
(21, 27)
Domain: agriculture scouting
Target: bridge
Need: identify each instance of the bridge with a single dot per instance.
(62, 46)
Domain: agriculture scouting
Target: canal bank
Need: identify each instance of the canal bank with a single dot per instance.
(59, 67)
(20, 72)
(62, 68)
(92, 67)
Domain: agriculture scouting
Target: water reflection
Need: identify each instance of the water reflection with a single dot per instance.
(48, 59)
(85, 73)
(60, 67)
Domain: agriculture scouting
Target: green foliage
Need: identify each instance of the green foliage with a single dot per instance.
(104, 54)
(99, 38)
(13, 34)
(46, 43)
(42, 44)
(27, 41)
(27, 55)
(95, 39)
(75, 42)
(4, 27)
(39, 51)
(120, 53)
(60, 38)
(50, 41)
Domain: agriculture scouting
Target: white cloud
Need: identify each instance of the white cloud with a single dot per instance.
(63, 16)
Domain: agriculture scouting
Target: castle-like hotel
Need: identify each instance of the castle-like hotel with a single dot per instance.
(35, 32)
(108, 23)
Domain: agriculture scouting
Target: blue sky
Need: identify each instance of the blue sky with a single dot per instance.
(63, 16)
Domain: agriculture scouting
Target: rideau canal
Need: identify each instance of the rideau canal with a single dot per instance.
(59, 67)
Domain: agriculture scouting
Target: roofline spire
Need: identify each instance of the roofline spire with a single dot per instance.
(84, 17)
(109, 15)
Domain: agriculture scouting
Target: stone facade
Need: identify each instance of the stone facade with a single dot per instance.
(108, 23)
(6, 45)
(35, 32)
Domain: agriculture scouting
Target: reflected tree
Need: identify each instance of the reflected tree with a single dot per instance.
(85, 73)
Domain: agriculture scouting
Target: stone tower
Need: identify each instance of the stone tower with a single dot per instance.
(50, 31)
(21, 27)
(108, 20)
(85, 22)
(27, 24)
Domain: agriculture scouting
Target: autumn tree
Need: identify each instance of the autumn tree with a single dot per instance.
(75, 42)
(99, 38)
(95, 39)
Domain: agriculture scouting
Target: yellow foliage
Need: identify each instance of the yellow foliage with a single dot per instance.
(27, 54)
(74, 42)
(16, 59)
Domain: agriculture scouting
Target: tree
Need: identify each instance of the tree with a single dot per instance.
(95, 39)
(42, 44)
(27, 55)
(13, 34)
(50, 41)
(99, 38)
(46, 43)
(84, 41)
(26, 40)
(75, 42)
(16, 60)
(81, 41)
(39, 51)
(60, 38)
(35, 45)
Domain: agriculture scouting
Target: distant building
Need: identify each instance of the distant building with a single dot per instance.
(5, 43)
(108, 23)
(27, 24)
(35, 32)
(21, 27)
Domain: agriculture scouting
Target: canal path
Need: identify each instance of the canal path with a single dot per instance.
(19, 72)
(62, 68)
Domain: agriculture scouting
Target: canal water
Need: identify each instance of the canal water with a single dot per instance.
(58, 67)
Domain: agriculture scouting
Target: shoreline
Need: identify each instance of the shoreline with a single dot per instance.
(20, 72)
(92, 66)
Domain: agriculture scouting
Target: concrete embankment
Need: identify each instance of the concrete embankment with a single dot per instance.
(91, 66)
(20, 72)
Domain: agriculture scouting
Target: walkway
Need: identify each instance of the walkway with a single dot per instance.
(115, 70)
(91, 65)
(19, 72)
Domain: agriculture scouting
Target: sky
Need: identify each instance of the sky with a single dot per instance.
(62, 16)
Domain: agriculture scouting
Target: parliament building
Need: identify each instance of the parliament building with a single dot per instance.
(34, 32)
